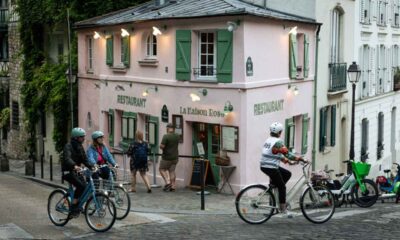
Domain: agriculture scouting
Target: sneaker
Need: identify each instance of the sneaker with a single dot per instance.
(75, 211)
(149, 190)
(287, 214)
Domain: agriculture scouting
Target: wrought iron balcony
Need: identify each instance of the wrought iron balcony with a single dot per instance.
(337, 79)
(204, 71)
(4, 68)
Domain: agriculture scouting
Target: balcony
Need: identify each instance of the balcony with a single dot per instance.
(4, 68)
(337, 77)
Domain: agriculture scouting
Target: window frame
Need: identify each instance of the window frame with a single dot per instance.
(381, 126)
(327, 122)
(150, 44)
(382, 13)
(130, 118)
(364, 139)
(90, 58)
(198, 76)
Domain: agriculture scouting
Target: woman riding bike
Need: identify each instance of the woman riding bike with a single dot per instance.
(274, 151)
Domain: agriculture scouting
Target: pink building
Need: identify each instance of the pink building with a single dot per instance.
(221, 71)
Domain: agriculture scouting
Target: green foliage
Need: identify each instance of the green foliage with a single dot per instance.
(46, 88)
(5, 117)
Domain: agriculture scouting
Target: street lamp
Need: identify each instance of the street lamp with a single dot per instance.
(354, 73)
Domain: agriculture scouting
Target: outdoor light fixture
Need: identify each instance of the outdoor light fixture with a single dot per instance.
(156, 31)
(124, 32)
(146, 92)
(354, 73)
(195, 97)
(232, 26)
(294, 89)
(96, 35)
(228, 108)
(293, 30)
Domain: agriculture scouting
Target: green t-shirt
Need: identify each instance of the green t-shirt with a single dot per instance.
(171, 142)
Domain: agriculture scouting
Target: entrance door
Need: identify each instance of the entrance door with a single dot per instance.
(209, 135)
(393, 136)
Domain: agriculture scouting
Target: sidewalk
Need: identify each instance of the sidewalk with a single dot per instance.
(183, 201)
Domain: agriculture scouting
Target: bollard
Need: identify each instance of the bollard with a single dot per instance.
(154, 185)
(202, 182)
(51, 167)
(4, 164)
(41, 166)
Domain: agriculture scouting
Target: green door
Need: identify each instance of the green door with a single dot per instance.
(209, 135)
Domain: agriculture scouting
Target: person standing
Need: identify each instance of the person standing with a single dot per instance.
(169, 146)
(74, 157)
(138, 151)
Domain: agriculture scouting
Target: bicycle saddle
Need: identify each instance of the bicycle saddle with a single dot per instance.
(386, 170)
(339, 174)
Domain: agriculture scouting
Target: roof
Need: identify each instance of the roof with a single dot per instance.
(188, 9)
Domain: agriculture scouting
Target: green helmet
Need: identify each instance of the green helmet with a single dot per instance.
(78, 132)
(97, 134)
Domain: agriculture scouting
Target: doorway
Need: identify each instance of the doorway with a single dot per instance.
(210, 136)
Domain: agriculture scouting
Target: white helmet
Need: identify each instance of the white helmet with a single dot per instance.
(276, 127)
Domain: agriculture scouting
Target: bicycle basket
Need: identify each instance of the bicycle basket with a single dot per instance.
(361, 169)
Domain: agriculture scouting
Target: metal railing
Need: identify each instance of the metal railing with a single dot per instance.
(205, 72)
(337, 79)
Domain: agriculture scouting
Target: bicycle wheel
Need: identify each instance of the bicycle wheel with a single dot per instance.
(254, 204)
(317, 204)
(367, 198)
(100, 212)
(122, 201)
(58, 206)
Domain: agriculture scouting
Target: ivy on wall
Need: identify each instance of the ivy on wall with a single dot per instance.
(46, 87)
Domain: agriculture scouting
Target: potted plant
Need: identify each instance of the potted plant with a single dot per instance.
(396, 79)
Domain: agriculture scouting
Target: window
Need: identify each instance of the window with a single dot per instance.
(110, 50)
(381, 69)
(125, 51)
(151, 46)
(151, 131)
(364, 139)
(336, 25)
(382, 6)
(90, 53)
(396, 12)
(128, 126)
(299, 56)
(15, 115)
(327, 127)
(365, 11)
(207, 55)
(380, 135)
(296, 133)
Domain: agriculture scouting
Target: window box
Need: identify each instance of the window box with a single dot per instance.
(148, 62)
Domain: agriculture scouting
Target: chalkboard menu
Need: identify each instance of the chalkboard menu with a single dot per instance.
(195, 181)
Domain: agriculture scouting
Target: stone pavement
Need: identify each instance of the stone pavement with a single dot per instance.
(183, 201)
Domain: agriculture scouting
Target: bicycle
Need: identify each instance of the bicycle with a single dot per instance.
(389, 186)
(362, 191)
(99, 210)
(117, 193)
(256, 203)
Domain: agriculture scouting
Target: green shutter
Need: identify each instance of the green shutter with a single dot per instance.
(322, 129)
(304, 138)
(111, 127)
(125, 41)
(183, 54)
(224, 56)
(109, 51)
(333, 125)
(306, 56)
(292, 55)
(289, 138)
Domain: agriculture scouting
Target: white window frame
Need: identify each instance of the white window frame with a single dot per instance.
(381, 69)
(396, 13)
(382, 16)
(335, 35)
(214, 66)
(365, 11)
(151, 42)
(90, 58)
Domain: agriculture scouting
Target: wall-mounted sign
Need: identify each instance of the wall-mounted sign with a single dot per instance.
(249, 67)
(164, 114)
(230, 138)
(134, 101)
(177, 120)
(267, 107)
(201, 112)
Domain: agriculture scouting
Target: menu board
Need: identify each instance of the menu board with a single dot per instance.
(230, 138)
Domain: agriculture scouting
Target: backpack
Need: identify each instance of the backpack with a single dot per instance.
(139, 153)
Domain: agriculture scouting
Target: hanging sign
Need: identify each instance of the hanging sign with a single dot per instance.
(249, 67)
(164, 114)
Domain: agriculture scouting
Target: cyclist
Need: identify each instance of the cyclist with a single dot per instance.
(73, 159)
(274, 151)
(99, 154)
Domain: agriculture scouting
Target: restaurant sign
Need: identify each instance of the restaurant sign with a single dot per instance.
(134, 101)
(201, 112)
(267, 107)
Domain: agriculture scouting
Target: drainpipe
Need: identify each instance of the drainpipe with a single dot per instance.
(315, 100)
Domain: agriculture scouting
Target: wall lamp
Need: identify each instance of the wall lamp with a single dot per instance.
(119, 87)
(293, 30)
(294, 89)
(146, 92)
(195, 97)
(232, 26)
(157, 31)
(96, 35)
(228, 108)
(124, 32)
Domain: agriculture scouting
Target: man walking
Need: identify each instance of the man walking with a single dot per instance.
(169, 145)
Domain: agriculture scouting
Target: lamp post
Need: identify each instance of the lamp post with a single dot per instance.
(354, 73)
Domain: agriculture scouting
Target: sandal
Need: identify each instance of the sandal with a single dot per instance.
(172, 189)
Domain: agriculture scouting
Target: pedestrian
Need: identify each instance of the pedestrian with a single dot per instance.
(98, 154)
(74, 158)
(138, 151)
(169, 145)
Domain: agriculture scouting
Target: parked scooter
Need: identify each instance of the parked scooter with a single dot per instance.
(389, 185)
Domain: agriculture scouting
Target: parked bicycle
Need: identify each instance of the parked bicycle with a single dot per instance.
(116, 192)
(389, 186)
(354, 187)
(99, 209)
(255, 204)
